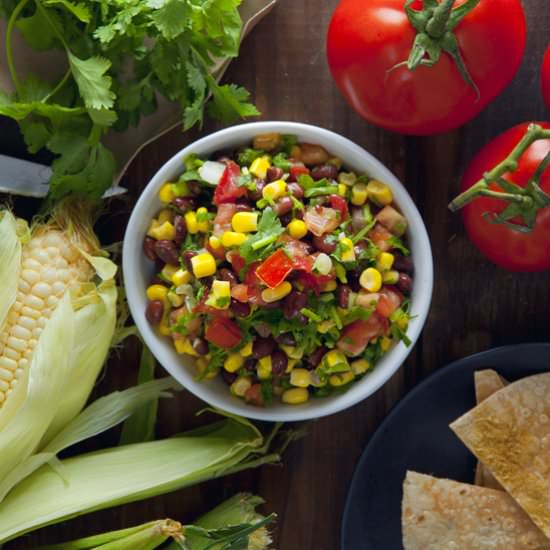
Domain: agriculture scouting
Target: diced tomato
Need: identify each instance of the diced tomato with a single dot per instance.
(339, 203)
(223, 332)
(254, 285)
(253, 395)
(314, 282)
(380, 236)
(222, 221)
(275, 269)
(356, 336)
(240, 293)
(320, 220)
(236, 261)
(297, 170)
(388, 302)
(228, 190)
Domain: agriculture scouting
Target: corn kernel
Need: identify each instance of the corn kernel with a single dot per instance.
(325, 326)
(245, 222)
(371, 279)
(202, 366)
(292, 352)
(191, 222)
(203, 223)
(166, 215)
(347, 178)
(156, 292)
(297, 229)
(221, 289)
(379, 193)
(335, 161)
(246, 350)
(330, 286)
(264, 368)
(403, 322)
(295, 396)
(360, 366)
(240, 386)
(385, 343)
(153, 225)
(334, 358)
(183, 345)
(181, 277)
(342, 190)
(166, 193)
(259, 167)
(341, 378)
(359, 194)
(300, 378)
(163, 232)
(273, 294)
(175, 299)
(391, 277)
(384, 262)
(214, 242)
(232, 238)
(165, 329)
(291, 364)
(168, 271)
(233, 362)
(203, 265)
(274, 190)
(348, 254)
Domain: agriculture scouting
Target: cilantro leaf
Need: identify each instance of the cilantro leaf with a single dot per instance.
(269, 229)
(229, 102)
(80, 11)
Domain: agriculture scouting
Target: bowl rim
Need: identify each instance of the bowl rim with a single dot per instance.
(287, 413)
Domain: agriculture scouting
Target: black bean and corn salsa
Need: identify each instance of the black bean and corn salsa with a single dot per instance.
(279, 270)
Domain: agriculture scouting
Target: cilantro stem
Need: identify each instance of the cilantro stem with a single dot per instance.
(9, 47)
(60, 85)
(310, 315)
(264, 242)
(46, 15)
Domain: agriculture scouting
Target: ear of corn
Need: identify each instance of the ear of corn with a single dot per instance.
(132, 472)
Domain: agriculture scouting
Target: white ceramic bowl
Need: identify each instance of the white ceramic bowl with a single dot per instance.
(138, 271)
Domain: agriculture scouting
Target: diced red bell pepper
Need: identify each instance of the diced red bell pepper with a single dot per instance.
(275, 269)
(223, 332)
(297, 170)
(339, 203)
(228, 190)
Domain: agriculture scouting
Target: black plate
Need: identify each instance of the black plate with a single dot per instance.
(416, 436)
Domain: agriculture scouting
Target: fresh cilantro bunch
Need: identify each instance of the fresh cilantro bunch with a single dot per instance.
(120, 56)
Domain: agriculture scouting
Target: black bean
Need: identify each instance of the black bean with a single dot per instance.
(295, 190)
(250, 364)
(286, 219)
(186, 256)
(240, 309)
(181, 229)
(405, 283)
(200, 345)
(353, 280)
(286, 339)
(299, 214)
(263, 347)
(226, 274)
(283, 206)
(243, 205)
(315, 358)
(229, 377)
(279, 362)
(343, 294)
(167, 252)
(325, 243)
(274, 173)
(293, 303)
(154, 311)
(328, 171)
(360, 247)
(184, 204)
(194, 188)
(403, 264)
(149, 248)
(273, 305)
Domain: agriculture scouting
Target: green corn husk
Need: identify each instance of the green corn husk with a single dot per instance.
(132, 472)
(10, 256)
(233, 525)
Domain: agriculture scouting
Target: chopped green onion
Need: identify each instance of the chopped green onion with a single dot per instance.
(310, 315)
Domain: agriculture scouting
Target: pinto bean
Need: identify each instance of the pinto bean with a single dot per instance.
(328, 171)
(149, 248)
(154, 311)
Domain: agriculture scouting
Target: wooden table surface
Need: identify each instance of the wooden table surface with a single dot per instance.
(475, 305)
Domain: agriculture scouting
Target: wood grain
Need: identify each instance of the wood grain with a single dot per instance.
(475, 305)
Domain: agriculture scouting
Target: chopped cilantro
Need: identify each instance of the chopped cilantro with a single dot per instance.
(247, 156)
(216, 359)
(181, 325)
(280, 160)
(320, 191)
(289, 141)
(266, 390)
(258, 245)
(398, 244)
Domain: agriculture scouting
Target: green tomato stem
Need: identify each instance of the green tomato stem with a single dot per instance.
(9, 48)
(509, 164)
(437, 25)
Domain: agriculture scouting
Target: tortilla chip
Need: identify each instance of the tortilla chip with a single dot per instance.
(510, 433)
(439, 514)
(487, 382)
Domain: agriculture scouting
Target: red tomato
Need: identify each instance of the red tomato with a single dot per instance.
(380, 236)
(253, 395)
(507, 247)
(273, 270)
(296, 170)
(236, 261)
(240, 293)
(224, 215)
(545, 77)
(223, 332)
(356, 336)
(339, 203)
(388, 302)
(367, 39)
(312, 281)
(228, 190)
